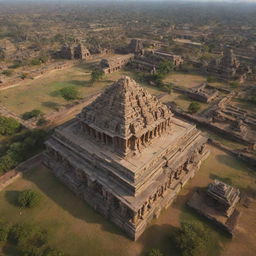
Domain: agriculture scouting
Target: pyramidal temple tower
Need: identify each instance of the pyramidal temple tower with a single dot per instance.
(126, 155)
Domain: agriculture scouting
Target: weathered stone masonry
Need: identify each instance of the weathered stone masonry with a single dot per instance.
(126, 155)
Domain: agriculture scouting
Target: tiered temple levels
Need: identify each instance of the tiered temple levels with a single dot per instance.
(126, 155)
(225, 195)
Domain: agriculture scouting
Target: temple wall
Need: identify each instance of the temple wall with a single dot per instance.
(102, 199)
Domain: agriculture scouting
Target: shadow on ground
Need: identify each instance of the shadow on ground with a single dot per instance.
(51, 105)
(68, 201)
(159, 237)
(12, 197)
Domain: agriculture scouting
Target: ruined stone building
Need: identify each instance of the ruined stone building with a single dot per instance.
(74, 51)
(225, 196)
(229, 118)
(150, 60)
(218, 203)
(203, 93)
(114, 64)
(228, 68)
(126, 155)
(7, 49)
(135, 46)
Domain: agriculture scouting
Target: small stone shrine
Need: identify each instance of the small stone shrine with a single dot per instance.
(218, 203)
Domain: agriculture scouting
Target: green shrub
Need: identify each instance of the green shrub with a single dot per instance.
(191, 239)
(53, 252)
(7, 162)
(42, 121)
(31, 114)
(194, 107)
(7, 72)
(8, 126)
(23, 76)
(155, 252)
(28, 199)
(35, 62)
(96, 75)
(16, 64)
(69, 93)
(211, 79)
(165, 67)
(234, 84)
(18, 232)
(23, 147)
(253, 100)
(29, 239)
(4, 230)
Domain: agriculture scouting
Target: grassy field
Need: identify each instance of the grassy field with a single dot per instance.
(43, 93)
(182, 101)
(185, 80)
(188, 81)
(77, 229)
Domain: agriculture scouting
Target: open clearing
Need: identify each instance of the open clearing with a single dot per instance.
(188, 81)
(185, 80)
(77, 229)
(43, 93)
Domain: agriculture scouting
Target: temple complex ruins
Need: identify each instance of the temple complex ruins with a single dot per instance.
(126, 155)
(228, 68)
(150, 60)
(203, 93)
(218, 203)
(135, 46)
(114, 64)
(74, 51)
(237, 122)
(7, 49)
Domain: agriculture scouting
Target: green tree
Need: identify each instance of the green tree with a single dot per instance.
(34, 113)
(28, 199)
(168, 87)
(23, 76)
(155, 252)
(7, 72)
(8, 126)
(211, 79)
(69, 93)
(7, 163)
(191, 239)
(4, 230)
(29, 239)
(53, 252)
(165, 67)
(234, 84)
(194, 107)
(253, 100)
(96, 75)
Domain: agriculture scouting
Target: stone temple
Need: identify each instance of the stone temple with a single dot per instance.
(126, 155)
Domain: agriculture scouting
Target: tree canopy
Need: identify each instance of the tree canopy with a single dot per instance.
(8, 125)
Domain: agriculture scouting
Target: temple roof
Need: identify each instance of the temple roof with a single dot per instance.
(222, 192)
(125, 109)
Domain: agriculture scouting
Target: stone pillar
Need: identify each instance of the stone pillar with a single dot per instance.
(135, 218)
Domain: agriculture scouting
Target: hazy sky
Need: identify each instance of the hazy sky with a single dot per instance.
(230, 1)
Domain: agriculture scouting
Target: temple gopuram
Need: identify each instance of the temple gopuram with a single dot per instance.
(126, 155)
(228, 68)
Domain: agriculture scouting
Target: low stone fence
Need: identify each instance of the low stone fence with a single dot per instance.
(12, 175)
(200, 121)
(246, 157)
(238, 154)
(10, 82)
